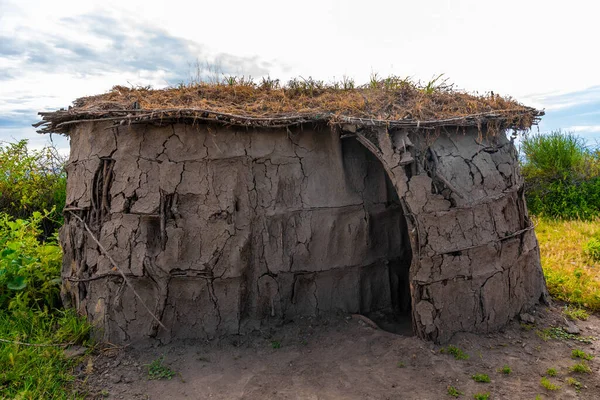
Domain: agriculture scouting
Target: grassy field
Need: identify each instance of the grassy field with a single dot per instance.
(31, 365)
(571, 274)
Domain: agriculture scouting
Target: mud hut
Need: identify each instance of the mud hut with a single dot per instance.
(223, 207)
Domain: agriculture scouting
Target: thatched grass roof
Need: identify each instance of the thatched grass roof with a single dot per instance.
(389, 102)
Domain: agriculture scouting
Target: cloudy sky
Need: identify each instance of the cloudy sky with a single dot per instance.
(543, 53)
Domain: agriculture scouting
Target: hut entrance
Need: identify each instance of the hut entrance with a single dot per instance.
(397, 317)
(388, 239)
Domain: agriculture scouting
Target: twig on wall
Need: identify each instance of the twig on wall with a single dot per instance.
(127, 281)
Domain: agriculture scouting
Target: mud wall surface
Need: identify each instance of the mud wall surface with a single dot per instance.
(219, 229)
(475, 259)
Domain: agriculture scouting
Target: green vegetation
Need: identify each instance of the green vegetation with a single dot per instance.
(551, 372)
(570, 275)
(574, 382)
(482, 396)
(38, 372)
(32, 181)
(400, 364)
(562, 176)
(29, 269)
(454, 392)
(276, 344)
(546, 384)
(576, 353)
(34, 330)
(576, 313)
(158, 370)
(562, 180)
(505, 370)
(560, 334)
(592, 248)
(581, 368)
(455, 352)
(482, 378)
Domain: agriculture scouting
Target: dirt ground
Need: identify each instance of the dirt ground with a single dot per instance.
(343, 357)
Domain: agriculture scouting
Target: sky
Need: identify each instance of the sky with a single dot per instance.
(542, 53)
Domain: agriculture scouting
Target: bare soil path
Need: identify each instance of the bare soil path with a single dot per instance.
(344, 358)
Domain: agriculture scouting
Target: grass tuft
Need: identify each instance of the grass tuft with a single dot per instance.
(581, 368)
(158, 370)
(576, 313)
(482, 378)
(577, 353)
(574, 382)
(546, 384)
(505, 370)
(481, 396)
(454, 392)
(455, 352)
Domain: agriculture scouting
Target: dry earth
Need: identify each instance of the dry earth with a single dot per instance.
(344, 358)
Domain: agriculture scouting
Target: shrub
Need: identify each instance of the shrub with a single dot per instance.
(29, 269)
(32, 181)
(564, 198)
(553, 155)
(29, 300)
(562, 176)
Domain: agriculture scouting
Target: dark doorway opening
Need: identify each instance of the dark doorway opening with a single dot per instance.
(389, 239)
(397, 317)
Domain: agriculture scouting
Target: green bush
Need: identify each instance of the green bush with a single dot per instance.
(554, 155)
(566, 198)
(592, 249)
(30, 313)
(29, 269)
(32, 181)
(562, 176)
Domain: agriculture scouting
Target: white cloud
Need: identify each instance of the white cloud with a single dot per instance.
(564, 99)
(65, 49)
(584, 129)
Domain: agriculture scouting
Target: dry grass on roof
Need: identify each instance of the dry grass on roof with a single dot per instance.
(239, 101)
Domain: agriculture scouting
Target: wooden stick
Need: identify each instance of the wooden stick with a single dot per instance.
(67, 117)
(105, 252)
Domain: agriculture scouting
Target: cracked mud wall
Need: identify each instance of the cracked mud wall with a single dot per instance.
(476, 259)
(222, 228)
(219, 229)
